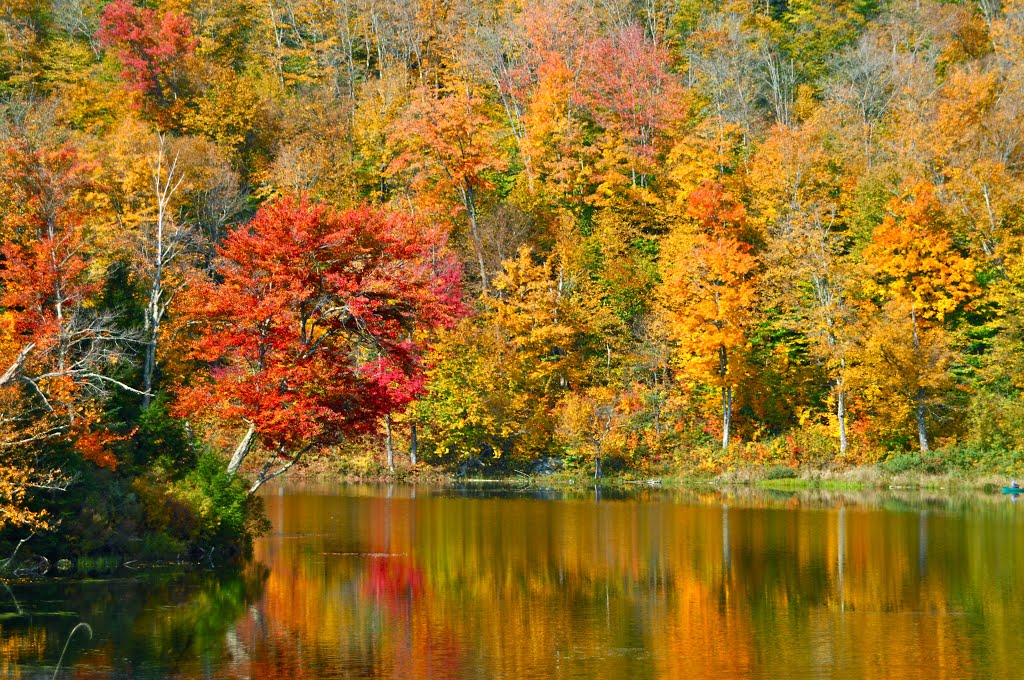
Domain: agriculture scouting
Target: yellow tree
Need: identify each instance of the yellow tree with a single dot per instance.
(492, 385)
(709, 290)
(542, 310)
(916, 277)
(380, 103)
(173, 197)
(975, 143)
(472, 404)
(798, 192)
(18, 428)
(592, 419)
(555, 139)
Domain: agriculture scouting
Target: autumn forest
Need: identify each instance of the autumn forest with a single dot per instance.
(613, 236)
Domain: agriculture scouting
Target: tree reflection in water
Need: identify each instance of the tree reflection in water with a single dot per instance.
(379, 583)
(164, 623)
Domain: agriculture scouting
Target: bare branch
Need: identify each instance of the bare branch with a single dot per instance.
(16, 366)
(264, 477)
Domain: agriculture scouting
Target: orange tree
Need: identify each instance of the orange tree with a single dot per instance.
(915, 278)
(449, 151)
(57, 349)
(710, 275)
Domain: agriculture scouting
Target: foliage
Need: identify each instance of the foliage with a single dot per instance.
(163, 442)
(151, 48)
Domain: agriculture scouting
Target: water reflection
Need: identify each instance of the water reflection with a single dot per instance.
(398, 582)
(514, 584)
(155, 624)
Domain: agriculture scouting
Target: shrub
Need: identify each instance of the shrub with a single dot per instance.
(160, 546)
(163, 441)
(206, 507)
(220, 500)
(901, 462)
(780, 472)
(976, 459)
(914, 462)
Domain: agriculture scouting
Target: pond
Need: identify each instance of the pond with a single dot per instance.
(402, 582)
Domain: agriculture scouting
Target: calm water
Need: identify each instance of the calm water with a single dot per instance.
(367, 582)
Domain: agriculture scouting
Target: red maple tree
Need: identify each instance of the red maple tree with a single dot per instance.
(306, 330)
(151, 47)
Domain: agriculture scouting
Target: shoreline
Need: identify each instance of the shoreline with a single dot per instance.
(860, 478)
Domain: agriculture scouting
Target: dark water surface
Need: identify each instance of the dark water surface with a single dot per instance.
(372, 582)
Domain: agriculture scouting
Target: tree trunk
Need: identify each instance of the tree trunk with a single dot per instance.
(723, 372)
(597, 462)
(266, 475)
(11, 372)
(154, 314)
(388, 444)
(278, 60)
(148, 368)
(726, 416)
(413, 444)
(922, 433)
(164, 247)
(474, 232)
(242, 450)
(841, 416)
